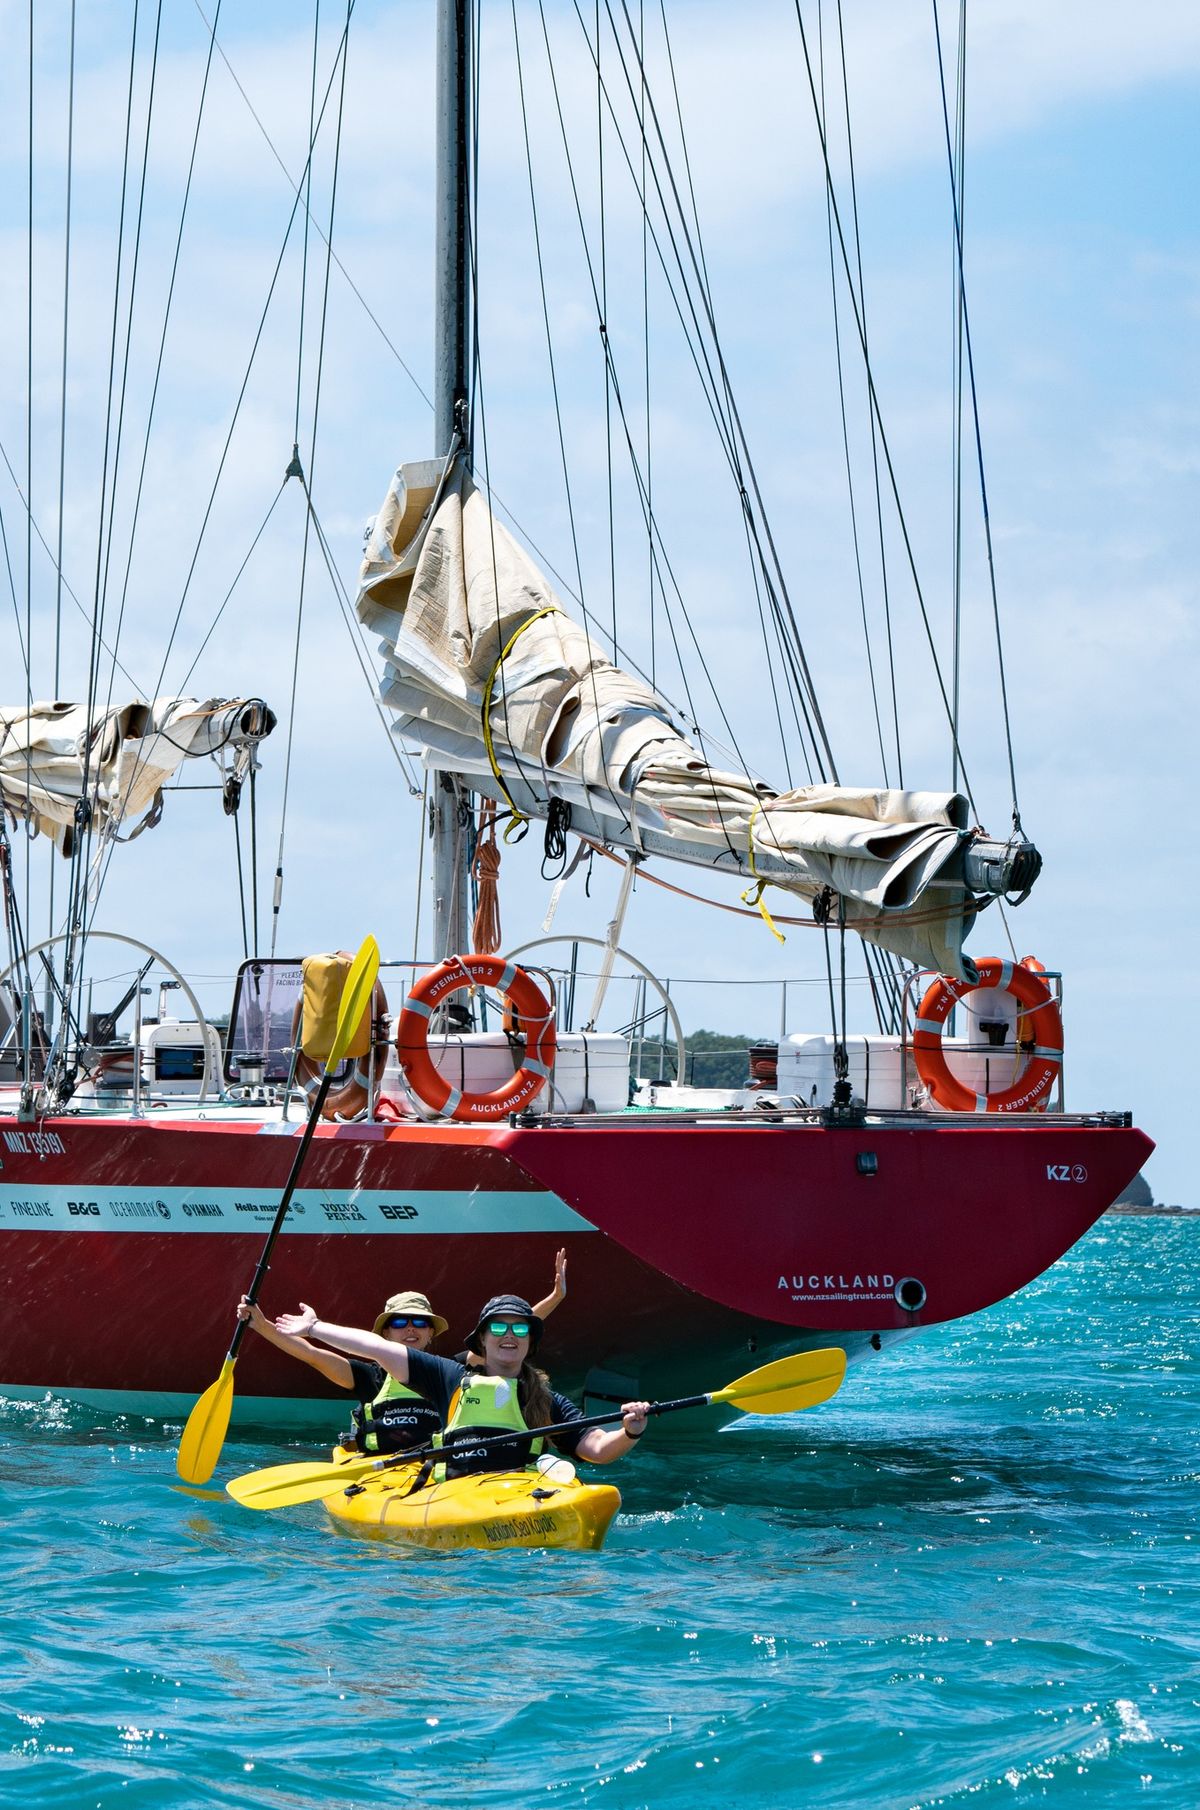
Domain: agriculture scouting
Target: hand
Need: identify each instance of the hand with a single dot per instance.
(250, 1310)
(560, 1275)
(298, 1324)
(633, 1418)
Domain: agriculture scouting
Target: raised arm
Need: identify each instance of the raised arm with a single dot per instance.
(351, 1339)
(333, 1368)
(558, 1293)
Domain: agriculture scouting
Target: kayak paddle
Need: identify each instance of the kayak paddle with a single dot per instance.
(785, 1387)
(204, 1434)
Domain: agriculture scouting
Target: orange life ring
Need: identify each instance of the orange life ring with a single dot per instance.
(1026, 1029)
(1038, 1011)
(526, 999)
(347, 1101)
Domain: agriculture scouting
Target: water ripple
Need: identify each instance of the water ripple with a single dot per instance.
(969, 1580)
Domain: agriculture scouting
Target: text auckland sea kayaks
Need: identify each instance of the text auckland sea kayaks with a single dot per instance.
(488, 1511)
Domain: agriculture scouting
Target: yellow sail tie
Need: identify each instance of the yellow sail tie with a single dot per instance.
(518, 816)
(753, 895)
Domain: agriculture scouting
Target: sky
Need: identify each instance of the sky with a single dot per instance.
(1082, 270)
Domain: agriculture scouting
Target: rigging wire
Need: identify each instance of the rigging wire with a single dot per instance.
(312, 455)
(504, 636)
(338, 60)
(8, 567)
(129, 317)
(112, 844)
(603, 233)
(841, 379)
(650, 573)
(81, 837)
(956, 377)
(28, 530)
(79, 915)
(221, 607)
(237, 839)
(355, 630)
(755, 571)
(49, 552)
(650, 519)
(724, 416)
(581, 593)
(881, 969)
(136, 764)
(877, 487)
(297, 187)
(62, 414)
(62, 422)
(987, 519)
(772, 572)
(883, 440)
(312, 103)
(162, 342)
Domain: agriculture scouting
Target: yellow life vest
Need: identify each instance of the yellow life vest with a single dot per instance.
(397, 1419)
(483, 1406)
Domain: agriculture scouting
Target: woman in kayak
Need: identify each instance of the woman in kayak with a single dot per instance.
(507, 1397)
(392, 1415)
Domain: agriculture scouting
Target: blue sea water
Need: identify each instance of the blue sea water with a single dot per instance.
(971, 1579)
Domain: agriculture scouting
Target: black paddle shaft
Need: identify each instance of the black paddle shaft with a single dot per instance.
(264, 1262)
(566, 1426)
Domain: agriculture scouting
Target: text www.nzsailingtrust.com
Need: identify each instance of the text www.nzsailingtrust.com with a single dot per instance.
(836, 1288)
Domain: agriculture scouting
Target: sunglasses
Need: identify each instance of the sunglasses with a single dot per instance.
(418, 1322)
(518, 1328)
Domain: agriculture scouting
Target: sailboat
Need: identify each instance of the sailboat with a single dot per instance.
(858, 1188)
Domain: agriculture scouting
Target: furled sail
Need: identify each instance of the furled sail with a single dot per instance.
(53, 754)
(488, 674)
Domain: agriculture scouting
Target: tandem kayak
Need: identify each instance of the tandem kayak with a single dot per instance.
(489, 1511)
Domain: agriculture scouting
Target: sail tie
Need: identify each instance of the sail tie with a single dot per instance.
(518, 816)
(753, 895)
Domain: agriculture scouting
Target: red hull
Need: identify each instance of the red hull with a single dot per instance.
(125, 1244)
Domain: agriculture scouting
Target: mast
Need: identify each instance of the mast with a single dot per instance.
(451, 407)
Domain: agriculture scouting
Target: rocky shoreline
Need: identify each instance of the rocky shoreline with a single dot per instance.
(1153, 1207)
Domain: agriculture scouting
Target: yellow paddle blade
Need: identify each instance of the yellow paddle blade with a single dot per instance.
(284, 1485)
(356, 999)
(206, 1427)
(788, 1385)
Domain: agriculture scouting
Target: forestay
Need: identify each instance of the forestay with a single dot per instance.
(52, 754)
(449, 590)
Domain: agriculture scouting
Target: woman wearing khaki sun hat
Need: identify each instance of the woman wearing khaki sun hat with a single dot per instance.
(390, 1416)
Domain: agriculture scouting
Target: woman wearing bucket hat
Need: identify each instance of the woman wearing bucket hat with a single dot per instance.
(507, 1396)
(392, 1415)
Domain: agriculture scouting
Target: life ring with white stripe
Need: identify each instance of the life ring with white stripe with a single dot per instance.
(1042, 1042)
(525, 998)
(353, 1096)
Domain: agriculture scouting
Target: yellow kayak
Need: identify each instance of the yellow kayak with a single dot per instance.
(490, 1511)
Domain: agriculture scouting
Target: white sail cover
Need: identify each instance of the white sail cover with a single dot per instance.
(447, 589)
(52, 753)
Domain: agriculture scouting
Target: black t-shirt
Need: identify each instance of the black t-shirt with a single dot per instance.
(368, 1379)
(436, 1378)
